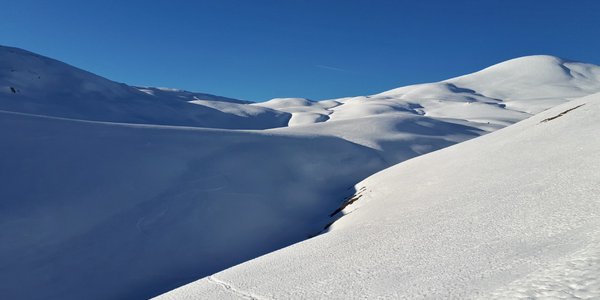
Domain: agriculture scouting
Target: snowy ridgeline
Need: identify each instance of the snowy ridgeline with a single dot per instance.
(112, 191)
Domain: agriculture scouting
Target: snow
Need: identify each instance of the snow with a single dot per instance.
(303, 111)
(159, 206)
(572, 277)
(164, 186)
(45, 86)
(530, 84)
(511, 214)
(187, 96)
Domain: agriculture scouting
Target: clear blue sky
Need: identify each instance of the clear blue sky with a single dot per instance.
(262, 49)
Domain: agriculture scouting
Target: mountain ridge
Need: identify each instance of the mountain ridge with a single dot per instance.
(158, 187)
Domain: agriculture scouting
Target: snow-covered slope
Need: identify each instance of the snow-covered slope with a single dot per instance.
(83, 198)
(102, 211)
(30, 83)
(412, 120)
(500, 94)
(528, 84)
(303, 111)
(515, 213)
(244, 116)
(186, 96)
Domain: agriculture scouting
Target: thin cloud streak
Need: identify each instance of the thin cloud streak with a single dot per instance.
(333, 68)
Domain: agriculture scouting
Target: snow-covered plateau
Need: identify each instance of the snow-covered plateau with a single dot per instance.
(109, 191)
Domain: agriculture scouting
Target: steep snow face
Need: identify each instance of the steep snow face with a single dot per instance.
(30, 83)
(102, 211)
(511, 214)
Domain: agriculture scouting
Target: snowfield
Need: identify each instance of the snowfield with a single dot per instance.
(112, 191)
(30, 83)
(159, 206)
(513, 214)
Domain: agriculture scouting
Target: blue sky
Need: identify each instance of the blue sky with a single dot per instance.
(260, 49)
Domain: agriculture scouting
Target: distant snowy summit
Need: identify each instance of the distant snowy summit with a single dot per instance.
(31, 83)
(523, 85)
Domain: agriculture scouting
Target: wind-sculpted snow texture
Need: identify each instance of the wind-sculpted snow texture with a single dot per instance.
(513, 214)
(113, 191)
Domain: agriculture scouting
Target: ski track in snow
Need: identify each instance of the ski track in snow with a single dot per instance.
(228, 287)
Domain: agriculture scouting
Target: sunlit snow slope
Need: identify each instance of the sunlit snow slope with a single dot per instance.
(513, 214)
(499, 94)
(113, 191)
(413, 120)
